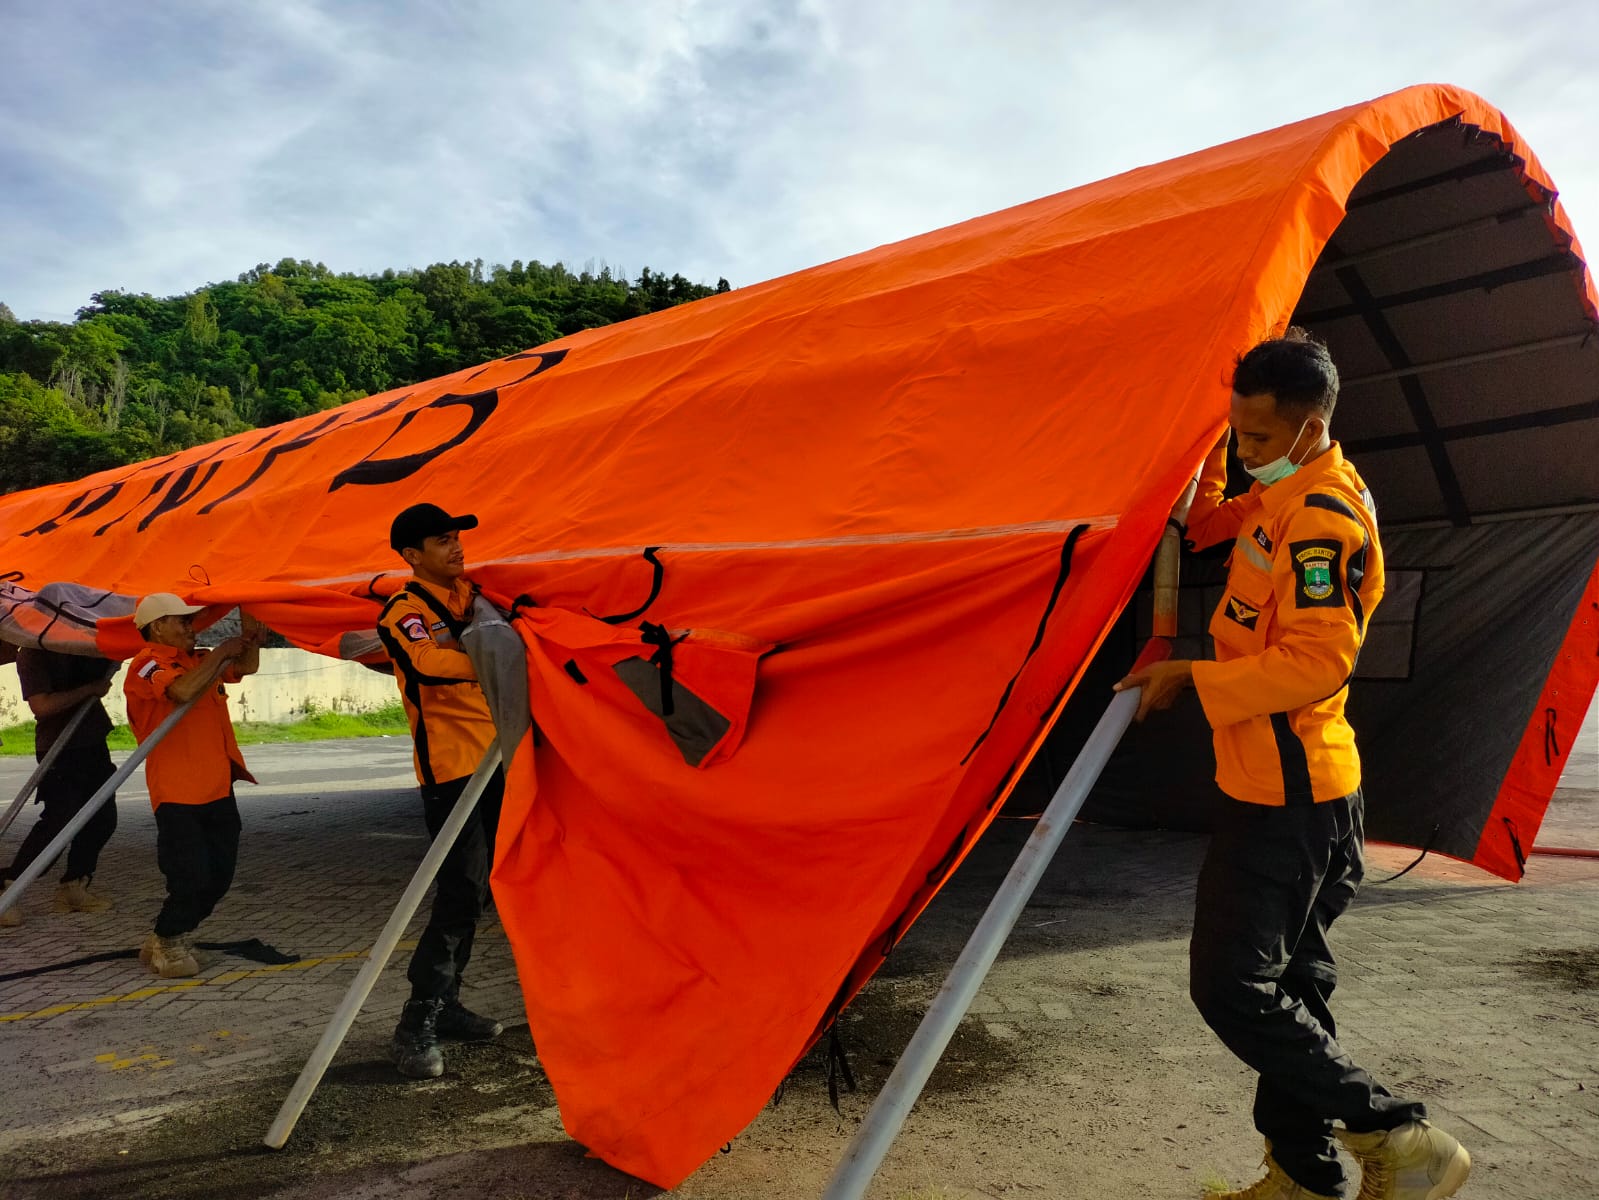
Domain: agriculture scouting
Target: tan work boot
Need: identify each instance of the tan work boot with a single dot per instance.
(1276, 1185)
(147, 949)
(12, 917)
(73, 895)
(170, 960)
(1413, 1162)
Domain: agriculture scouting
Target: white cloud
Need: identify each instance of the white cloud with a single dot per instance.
(157, 147)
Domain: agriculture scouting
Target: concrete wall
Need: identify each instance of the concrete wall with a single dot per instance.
(287, 682)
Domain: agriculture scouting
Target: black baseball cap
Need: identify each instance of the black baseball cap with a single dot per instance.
(422, 521)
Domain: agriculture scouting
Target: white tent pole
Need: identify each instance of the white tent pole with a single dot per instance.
(377, 958)
(49, 758)
(43, 860)
(871, 1142)
(45, 764)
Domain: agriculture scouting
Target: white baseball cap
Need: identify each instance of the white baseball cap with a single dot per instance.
(162, 604)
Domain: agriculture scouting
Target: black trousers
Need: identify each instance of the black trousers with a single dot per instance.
(197, 849)
(461, 890)
(64, 790)
(1261, 974)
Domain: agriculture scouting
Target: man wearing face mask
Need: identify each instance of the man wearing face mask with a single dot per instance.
(1286, 857)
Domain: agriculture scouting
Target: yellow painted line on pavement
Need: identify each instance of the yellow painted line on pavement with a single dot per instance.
(227, 977)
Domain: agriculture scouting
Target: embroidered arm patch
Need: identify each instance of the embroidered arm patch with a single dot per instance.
(1246, 615)
(1318, 577)
(414, 628)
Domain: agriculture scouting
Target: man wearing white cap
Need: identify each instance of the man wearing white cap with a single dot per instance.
(191, 773)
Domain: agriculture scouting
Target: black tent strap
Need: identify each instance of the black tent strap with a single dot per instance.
(1426, 849)
(837, 1067)
(1553, 264)
(659, 637)
(1068, 547)
(1540, 419)
(1515, 845)
(657, 577)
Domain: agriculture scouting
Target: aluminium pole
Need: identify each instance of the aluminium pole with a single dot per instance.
(49, 758)
(378, 957)
(46, 857)
(872, 1140)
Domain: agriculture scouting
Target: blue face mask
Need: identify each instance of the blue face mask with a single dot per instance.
(1279, 469)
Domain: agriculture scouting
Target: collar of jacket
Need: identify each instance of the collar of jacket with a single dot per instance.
(457, 598)
(1302, 482)
(173, 654)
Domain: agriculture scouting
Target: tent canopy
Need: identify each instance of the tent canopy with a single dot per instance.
(877, 516)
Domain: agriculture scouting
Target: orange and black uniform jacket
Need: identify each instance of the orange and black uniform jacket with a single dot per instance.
(199, 760)
(1305, 575)
(450, 722)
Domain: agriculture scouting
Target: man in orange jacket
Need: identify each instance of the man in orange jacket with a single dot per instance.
(1286, 857)
(451, 728)
(190, 773)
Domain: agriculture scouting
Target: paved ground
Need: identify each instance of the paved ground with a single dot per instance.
(1081, 1072)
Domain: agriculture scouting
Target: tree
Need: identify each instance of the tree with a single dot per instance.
(135, 374)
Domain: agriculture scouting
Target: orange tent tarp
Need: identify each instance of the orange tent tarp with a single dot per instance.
(897, 499)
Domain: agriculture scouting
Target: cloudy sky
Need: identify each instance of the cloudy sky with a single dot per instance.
(156, 146)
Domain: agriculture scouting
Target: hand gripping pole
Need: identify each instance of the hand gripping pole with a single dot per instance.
(43, 860)
(377, 958)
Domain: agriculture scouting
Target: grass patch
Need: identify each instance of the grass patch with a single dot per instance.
(316, 726)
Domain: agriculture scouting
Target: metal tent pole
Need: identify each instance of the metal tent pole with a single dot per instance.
(46, 857)
(49, 758)
(872, 1140)
(45, 764)
(877, 1132)
(339, 1027)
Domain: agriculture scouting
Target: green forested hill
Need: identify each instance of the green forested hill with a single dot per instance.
(135, 376)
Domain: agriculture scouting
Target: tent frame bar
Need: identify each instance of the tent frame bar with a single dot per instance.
(45, 763)
(46, 858)
(378, 957)
(1560, 262)
(1466, 360)
(887, 1116)
(1448, 233)
(1522, 514)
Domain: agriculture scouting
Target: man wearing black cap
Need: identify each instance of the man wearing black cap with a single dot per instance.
(451, 727)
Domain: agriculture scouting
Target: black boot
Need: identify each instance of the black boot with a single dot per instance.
(461, 1023)
(415, 1049)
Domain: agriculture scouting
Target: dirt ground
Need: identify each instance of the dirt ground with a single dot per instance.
(1082, 1071)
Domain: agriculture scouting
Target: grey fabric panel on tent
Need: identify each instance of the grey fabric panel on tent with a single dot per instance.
(500, 659)
(60, 616)
(1496, 604)
(1491, 605)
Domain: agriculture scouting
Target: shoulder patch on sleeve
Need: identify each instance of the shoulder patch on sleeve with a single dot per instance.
(1318, 581)
(1245, 614)
(150, 667)
(414, 627)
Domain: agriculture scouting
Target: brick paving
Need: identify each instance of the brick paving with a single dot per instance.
(1450, 989)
